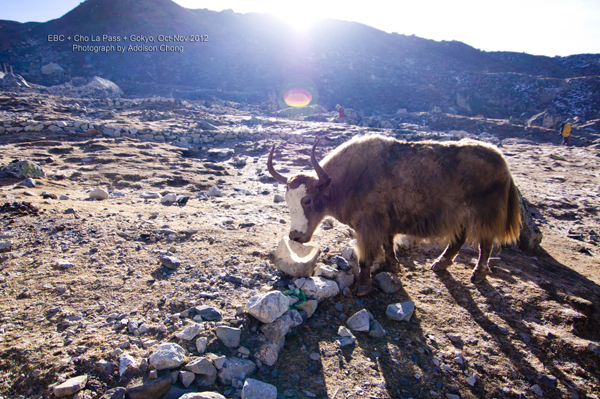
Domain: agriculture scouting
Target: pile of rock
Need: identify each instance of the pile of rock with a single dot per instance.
(97, 87)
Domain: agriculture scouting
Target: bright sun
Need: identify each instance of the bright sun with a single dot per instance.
(298, 16)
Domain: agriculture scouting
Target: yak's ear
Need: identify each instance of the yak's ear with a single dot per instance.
(322, 186)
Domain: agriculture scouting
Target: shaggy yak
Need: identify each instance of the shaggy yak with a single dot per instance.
(382, 187)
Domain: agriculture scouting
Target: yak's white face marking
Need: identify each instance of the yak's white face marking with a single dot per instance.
(293, 198)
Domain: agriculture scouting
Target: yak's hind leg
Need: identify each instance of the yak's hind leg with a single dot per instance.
(482, 269)
(450, 253)
(391, 262)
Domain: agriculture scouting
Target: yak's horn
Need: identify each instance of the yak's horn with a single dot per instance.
(323, 176)
(272, 171)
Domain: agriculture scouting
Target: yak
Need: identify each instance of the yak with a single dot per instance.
(381, 187)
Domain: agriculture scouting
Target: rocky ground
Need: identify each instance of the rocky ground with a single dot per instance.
(80, 277)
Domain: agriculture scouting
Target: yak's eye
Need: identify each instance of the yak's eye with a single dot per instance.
(307, 202)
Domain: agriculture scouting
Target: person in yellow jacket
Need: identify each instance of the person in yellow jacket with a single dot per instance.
(565, 132)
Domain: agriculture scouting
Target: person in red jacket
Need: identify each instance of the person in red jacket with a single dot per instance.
(342, 116)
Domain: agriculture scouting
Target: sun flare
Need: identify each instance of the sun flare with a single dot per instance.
(298, 16)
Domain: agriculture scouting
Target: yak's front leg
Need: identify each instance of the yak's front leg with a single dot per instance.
(367, 251)
(482, 269)
(364, 285)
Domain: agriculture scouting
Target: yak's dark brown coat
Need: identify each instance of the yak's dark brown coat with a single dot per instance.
(382, 187)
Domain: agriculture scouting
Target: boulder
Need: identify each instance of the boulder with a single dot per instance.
(229, 336)
(104, 85)
(23, 169)
(296, 259)
(12, 80)
(190, 332)
(400, 311)
(170, 262)
(360, 321)
(168, 199)
(201, 344)
(167, 356)
(310, 306)
(208, 313)
(214, 192)
(152, 389)
(344, 279)
(264, 349)
(268, 307)
(388, 282)
(202, 395)
(150, 194)
(99, 194)
(320, 288)
(52, 68)
(70, 386)
(280, 327)
(186, 378)
(235, 368)
(254, 389)
(376, 330)
(202, 366)
(127, 363)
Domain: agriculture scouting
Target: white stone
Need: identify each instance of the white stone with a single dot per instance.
(344, 332)
(344, 279)
(254, 389)
(150, 194)
(268, 307)
(400, 311)
(167, 356)
(51, 68)
(296, 259)
(202, 366)
(186, 378)
(229, 336)
(319, 288)
(214, 192)
(64, 264)
(99, 194)
(201, 344)
(126, 362)
(280, 327)
(190, 332)
(169, 198)
(202, 395)
(70, 386)
(310, 306)
(325, 271)
(388, 282)
(235, 368)
(360, 321)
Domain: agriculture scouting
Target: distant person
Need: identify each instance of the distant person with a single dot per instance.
(565, 132)
(342, 116)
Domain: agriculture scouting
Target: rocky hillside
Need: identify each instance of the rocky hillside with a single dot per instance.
(253, 57)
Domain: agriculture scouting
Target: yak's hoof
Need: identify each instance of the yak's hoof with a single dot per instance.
(390, 268)
(362, 290)
(478, 276)
(440, 265)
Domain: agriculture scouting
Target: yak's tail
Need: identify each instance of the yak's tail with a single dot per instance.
(513, 215)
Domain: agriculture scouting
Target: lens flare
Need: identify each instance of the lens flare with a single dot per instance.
(297, 97)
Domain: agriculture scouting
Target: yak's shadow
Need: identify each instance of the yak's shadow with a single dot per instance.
(562, 285)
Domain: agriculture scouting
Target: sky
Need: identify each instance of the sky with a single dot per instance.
(539, 27)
